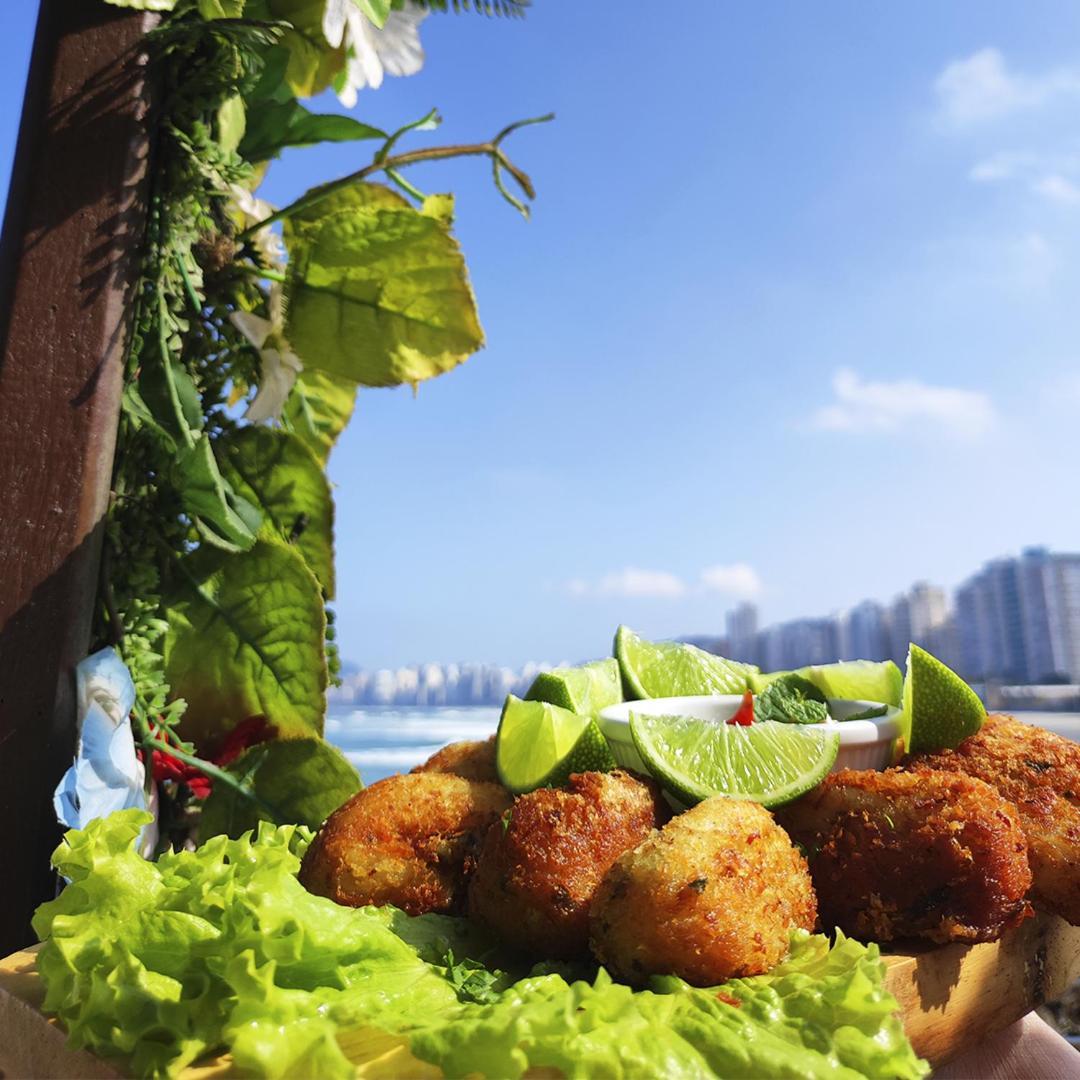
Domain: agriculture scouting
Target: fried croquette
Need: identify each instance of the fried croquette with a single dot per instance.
(1039, 772)
(898, 854)
(540, 866)
(714, 895)
(473, 760)
(409, 841)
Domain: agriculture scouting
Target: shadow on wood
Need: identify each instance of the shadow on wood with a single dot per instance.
(68, 269)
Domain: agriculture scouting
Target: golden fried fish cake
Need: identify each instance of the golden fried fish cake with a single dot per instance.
(1039, 772)
(409, 841)
(898, 854)
(474, 760)
(540, 866)
(714, 895)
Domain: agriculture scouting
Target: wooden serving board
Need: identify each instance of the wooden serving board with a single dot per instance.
(951, 998)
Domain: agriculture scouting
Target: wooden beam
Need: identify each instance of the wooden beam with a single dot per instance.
(68, 268)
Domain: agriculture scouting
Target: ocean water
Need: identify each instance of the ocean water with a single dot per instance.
(384, 739)
(381, 740)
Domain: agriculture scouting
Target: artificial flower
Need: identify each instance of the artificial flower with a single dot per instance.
(394, 50)
(279, 364)
(253, 210)
(107, 774)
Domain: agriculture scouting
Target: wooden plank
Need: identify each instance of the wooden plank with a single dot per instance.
(68, 264)
(954, 996)
(951, 998)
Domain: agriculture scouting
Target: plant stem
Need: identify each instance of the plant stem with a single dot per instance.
(218, 775)
(490, 149)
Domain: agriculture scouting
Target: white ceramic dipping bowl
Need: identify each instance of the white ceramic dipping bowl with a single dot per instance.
(864, 744)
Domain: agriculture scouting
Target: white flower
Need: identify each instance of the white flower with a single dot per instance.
(394, 50)
(252, 211)
(279, 364)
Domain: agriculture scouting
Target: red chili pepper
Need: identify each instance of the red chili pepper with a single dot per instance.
(744, 715)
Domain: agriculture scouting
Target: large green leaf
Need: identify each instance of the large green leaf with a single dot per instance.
(303, 781)
(378, 291)
(317, 410)
(273, 125)
(225, 519)
(312, 63)
(276, 472)
(246, 638)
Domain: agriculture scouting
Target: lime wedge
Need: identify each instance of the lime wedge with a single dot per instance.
(585, 689)
(769, 762)
(539, 745)
(941, 708)
(860, 680)
(653, 669)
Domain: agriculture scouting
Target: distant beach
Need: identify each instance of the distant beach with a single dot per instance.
(384, 739)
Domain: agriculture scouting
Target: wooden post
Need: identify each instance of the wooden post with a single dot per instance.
(68, 267)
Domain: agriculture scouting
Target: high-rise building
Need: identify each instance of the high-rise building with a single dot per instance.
(864, 634)
(742, 633)
(990, 625)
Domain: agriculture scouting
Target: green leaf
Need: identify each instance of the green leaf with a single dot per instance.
(312, 63)
(144, 5)
(317, 410)
(169, 394)
(231, 122)
(304, 780)
(791, 699)
(378, 292)
(276, 472)
(377, 11)
(273, 125)
(221, 9)
(246, 638)
(228, 520)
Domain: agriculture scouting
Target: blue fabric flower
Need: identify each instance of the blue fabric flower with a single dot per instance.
(107, 775)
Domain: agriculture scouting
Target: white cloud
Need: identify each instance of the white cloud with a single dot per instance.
(982, 87)
(905, 405)
(634, 581)
(1057, 188)
(735, 579)
(1001, 166)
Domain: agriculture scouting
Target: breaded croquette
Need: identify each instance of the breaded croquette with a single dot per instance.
(472, 760)
(410, 841)
(1039, 772)
(899, 854)
(714, 895)
(540, 866)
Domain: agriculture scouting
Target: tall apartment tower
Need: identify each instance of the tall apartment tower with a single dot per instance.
(1018, 620)
(865, 633)
(742, 633)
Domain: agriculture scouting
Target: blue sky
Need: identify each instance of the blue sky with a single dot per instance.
(797, 318)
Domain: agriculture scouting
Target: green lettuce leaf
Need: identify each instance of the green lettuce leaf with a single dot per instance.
(231, 657)
(221, 948)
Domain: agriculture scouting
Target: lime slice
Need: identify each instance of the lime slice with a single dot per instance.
(769, 762)
(653, 669)
(859, 680)
(585, 689)
(941, 708)
(539, 745)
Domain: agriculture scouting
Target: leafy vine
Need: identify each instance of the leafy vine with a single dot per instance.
(248, 350)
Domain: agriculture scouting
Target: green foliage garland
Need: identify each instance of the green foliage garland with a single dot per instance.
(218, 560)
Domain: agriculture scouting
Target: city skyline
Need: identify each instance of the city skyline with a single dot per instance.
(1014, 620)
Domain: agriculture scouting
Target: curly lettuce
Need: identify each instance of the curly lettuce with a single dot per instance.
(222, 949)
